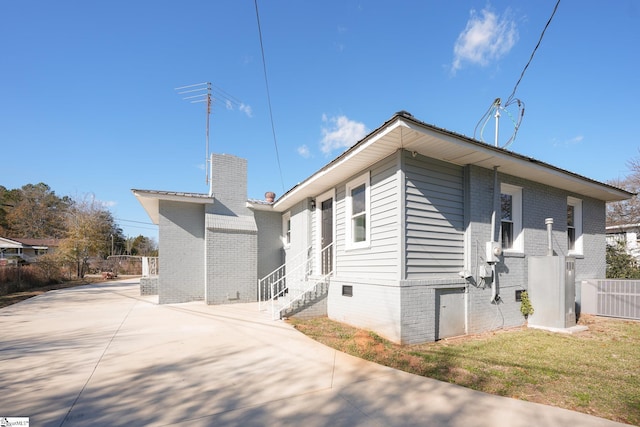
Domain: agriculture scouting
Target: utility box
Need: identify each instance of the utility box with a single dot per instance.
(552, 291)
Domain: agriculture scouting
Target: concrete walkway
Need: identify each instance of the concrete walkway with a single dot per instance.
(101, 355)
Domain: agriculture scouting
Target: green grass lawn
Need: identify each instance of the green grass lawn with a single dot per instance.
(596, 372)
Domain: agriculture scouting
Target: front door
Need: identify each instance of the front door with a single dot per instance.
(326, 236)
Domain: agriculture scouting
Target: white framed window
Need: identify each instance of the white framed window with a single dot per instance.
(286, 229)
(358, 209)
(574, 226)
(511, 218)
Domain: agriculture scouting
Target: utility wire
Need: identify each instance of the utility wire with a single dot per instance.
(510, 99)
(137, 222)
(266, 82)
(496, 107)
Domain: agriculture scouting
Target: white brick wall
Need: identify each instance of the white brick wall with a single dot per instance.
(232, 267)
(373, 306)
(181, 238)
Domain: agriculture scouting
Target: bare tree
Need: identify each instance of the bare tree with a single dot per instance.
(91, 229)
(626, 211)
(34, 211)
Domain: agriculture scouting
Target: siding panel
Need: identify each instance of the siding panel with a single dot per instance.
(434, 206)
(381, 259)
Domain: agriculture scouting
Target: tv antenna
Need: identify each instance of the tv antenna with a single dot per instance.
(209, 94)
(197, 93)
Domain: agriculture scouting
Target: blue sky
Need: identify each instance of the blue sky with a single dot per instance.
(88, 102)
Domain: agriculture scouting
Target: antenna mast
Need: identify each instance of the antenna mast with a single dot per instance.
(201, 92)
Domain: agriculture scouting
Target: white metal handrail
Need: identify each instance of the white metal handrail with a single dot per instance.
(276, 280)
(282, 296)
(149, 266)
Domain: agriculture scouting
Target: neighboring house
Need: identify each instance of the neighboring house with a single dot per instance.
(628, 235)
(415, 232)
(26, 249)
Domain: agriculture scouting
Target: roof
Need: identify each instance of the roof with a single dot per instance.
(612, 229)
(403, 131)
(150, 200)
(16, 242)
(39, 243)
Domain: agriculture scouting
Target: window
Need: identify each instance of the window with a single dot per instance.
(286, 229)
(571, 229)
(358, 225)
(511, 217)
(574, 225)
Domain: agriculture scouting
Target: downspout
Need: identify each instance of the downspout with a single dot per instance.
(494, 234)
(210, 180)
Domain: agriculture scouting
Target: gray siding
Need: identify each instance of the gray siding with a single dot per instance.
(270, 252)
(181, 236)
(381, 260)
(300, 232)
(593, 264)
(434, 217)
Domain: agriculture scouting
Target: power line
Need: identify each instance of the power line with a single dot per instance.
(137, 222)
(266, 82)
(497, 106)
(510, 99)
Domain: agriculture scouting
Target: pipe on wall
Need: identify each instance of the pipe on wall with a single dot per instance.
(494, 235)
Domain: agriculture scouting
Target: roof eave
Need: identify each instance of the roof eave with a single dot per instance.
(150, 200)
(403, 131)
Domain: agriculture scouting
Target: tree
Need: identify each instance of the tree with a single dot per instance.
(626, 211)
(621, 265)
(35, 211)
(8, 200)
(90, 229)
(143, 246)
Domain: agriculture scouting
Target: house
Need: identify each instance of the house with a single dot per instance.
(415, 232)
(628, 235)
(29, 250)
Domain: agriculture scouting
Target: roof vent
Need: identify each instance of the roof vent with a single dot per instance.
(404, 113)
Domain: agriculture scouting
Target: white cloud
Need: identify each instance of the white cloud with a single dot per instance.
(576, 140)
(303, 150)
(568, 142)
(231, 105)
(487, 37)
(246, 109)
(340, 132)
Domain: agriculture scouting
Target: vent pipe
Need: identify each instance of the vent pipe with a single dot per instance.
(549, 222)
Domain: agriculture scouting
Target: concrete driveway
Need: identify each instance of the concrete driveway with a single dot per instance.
(103, 355)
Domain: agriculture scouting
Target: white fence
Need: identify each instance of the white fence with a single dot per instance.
(149, 266)
(611, 297)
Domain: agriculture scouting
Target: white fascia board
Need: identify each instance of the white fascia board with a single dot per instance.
(338, 170)
(150, 200)
(8, 243)
(260, 206)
